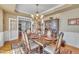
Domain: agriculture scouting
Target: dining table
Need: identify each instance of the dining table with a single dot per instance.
(44, 40)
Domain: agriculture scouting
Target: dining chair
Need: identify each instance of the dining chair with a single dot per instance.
(20, 47)
(54, 50)
(17, 49)
(31, 45)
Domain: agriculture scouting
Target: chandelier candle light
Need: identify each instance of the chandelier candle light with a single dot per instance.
(37, 16)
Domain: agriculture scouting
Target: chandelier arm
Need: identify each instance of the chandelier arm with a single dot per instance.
(37, 16)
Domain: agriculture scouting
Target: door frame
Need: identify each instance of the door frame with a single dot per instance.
(10, 26)
(25, 19)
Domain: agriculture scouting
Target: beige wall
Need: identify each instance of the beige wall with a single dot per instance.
(63, 22)
(1, 20)
(6, 20)
(8, 15)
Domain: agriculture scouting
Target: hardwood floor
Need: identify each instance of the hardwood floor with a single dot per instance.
(67, 48)
(8, 45)
(70, 49)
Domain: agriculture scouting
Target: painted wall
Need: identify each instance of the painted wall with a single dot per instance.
(1, 20)
(6, 12)
(1, 28)
(6, 20)
(63, 22)
(6, 26)
(71, 32)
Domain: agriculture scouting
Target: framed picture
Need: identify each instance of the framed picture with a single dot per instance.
(72, 22)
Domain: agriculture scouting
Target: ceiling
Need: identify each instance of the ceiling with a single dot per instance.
(45, 9)
(32, 8)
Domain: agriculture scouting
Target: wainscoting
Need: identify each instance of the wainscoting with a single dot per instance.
(13, 35)
(72, 38)
(4, 36)
(1, 39)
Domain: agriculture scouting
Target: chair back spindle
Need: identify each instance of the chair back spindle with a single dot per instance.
(59, 41)
(27, 42)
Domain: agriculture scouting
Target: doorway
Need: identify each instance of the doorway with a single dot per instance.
(24, 24)
(13, 29)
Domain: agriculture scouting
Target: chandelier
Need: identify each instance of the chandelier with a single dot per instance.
(37, 16)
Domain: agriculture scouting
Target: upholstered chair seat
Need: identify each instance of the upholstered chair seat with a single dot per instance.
(33, 45)
(49, 50)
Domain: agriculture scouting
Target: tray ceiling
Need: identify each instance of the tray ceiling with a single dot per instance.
(31, 8)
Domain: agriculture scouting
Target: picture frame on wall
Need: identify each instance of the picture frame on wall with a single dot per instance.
(74, 21)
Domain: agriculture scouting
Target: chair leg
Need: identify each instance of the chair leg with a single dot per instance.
(38, 50)
(41, 49)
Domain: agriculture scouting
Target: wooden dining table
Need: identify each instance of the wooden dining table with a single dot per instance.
(44, 40)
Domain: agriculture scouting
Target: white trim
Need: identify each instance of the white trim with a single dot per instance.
(9, 28)
(12, 38)
(18, 10)
(17, 27)
(25, 19)
(58, 6)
